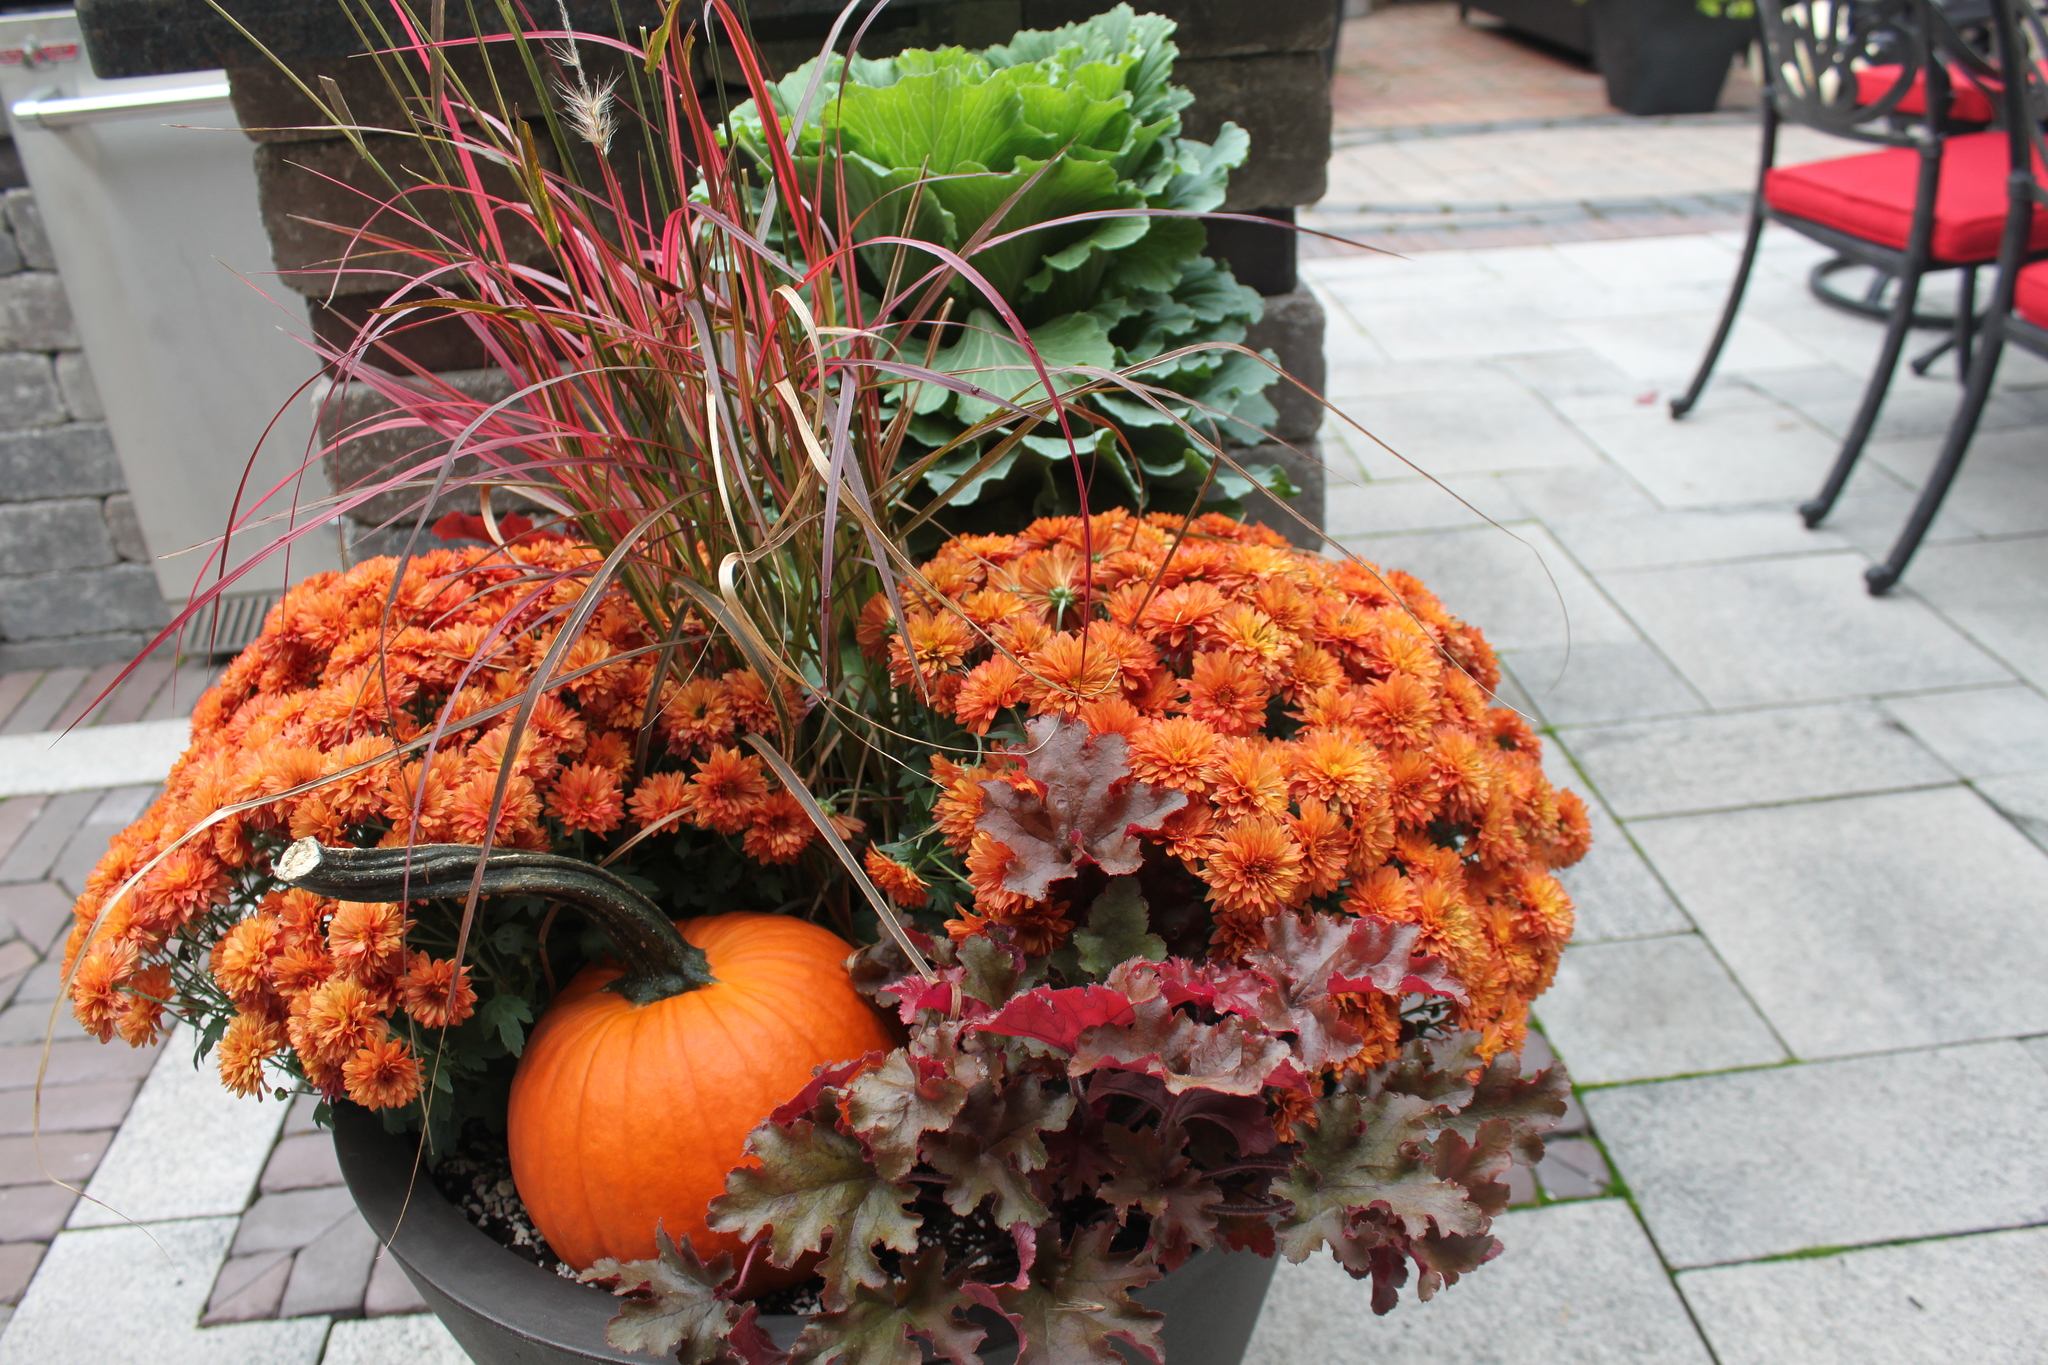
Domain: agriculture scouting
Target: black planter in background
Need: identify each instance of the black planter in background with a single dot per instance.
(1664, 56)
(505, 1310)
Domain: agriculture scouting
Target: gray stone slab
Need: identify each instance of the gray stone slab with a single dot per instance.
(419, 1339)
(1596, 490)
(1651, 1007)
(1917, 412)
(1665, 348)
(1569, 374)
(1786, 630)
(1578, 1284)
(1872, 922)
(1517, 585)
(1873, 509)
(1996, 732)
(1926, 1303)
(190, 1148)
(1645, 262)
(1614, 891)
(1443, 431)
(150, 1284)
(36, 911)
(1999, 489)
(248, 1288)
(1749, 758)
(1466, 329)
(1995, 590)
(1719, 454)
(1689, 536)
(2022, 800)
(301, 1161)
(36, 850)
(1601, 682)
(389, 1290)
(1846, 1153)
(291, 1219)
(331, 1273)
(1572, 1168)
(1360, 507)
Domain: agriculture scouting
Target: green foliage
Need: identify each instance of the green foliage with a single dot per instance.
(1019, 159)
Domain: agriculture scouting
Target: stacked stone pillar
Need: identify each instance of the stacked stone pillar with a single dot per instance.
(1264, 66)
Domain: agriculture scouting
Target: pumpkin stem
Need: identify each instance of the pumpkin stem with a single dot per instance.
(660, 962)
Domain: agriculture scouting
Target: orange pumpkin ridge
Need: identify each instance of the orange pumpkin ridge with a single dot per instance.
(626, 1117)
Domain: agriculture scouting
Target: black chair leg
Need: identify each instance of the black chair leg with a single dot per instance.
(1966, 323)
(1681, 406)
(1881, 577)
(1960, 335)
(1816, 509)
(1924, 362)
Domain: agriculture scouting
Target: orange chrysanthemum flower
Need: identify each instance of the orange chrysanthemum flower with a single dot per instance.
(896, 881)
(992, 686)
(660, 800)
(96, 986)
(383, 1075)
(436, 991)
(243, 957)
(1228, 693)
(586, 797)
(249, 1043)
(340, 1016)
(367, 940)
(726, 790)
(1255, 867)
(1176, 752)
(779, 831)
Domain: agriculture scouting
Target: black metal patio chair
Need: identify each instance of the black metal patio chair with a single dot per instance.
(2019, 302)
(1930, 199)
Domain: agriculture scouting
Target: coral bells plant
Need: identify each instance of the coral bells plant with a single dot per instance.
(1244, 902)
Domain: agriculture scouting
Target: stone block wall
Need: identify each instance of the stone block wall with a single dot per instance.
(75, 581)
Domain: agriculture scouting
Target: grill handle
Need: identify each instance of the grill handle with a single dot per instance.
(52, 110)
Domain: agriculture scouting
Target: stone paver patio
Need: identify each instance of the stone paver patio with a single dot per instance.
(1805, 1009)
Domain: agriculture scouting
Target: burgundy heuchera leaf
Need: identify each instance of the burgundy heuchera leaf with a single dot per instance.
(675, 1306)
(1084, 810)
(1059, 1016)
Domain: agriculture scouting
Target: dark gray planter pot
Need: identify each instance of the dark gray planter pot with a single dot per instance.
(1664, 56)
(507, 1311)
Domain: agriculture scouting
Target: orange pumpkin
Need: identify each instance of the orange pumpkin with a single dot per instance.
(626, 1115)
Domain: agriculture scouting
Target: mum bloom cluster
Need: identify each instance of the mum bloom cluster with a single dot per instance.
(1328, 723)
(373, 719)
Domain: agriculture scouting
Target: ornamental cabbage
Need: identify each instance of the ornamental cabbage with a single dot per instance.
(957, 148)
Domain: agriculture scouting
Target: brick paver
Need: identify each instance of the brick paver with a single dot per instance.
(1415, 66)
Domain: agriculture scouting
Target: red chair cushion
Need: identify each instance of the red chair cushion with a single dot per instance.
(1870, 197)
(1966, 102)
(2030, 294)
